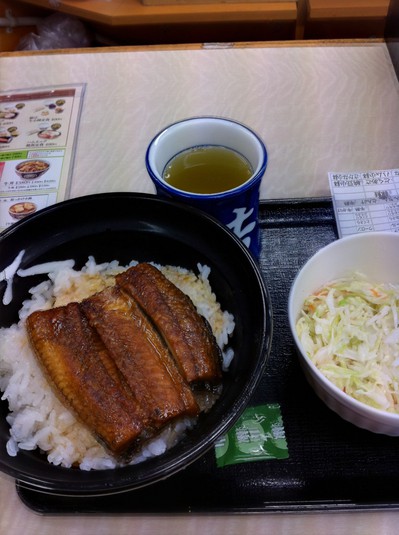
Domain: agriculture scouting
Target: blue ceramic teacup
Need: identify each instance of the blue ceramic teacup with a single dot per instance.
(237, 208)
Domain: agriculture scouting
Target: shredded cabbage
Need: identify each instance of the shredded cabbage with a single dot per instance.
(349, 329)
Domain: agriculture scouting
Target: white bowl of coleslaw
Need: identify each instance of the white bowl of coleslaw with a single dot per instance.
(343, 312)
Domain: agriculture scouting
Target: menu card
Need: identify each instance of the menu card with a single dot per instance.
(38, 134)
(365, 201)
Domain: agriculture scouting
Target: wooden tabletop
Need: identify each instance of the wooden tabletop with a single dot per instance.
(133, 12)
(319, 107)
(339, 9)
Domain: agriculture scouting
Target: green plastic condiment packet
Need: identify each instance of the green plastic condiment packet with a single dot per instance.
(257, 435)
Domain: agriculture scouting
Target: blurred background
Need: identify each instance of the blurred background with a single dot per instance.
(39, 24)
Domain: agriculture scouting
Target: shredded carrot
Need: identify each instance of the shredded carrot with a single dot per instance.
(311, 307)
(321, 293)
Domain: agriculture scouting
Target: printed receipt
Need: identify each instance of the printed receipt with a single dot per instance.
(365, 201)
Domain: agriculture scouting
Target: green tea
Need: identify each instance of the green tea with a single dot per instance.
(207, 169)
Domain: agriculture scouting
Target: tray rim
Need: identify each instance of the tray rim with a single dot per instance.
(283, 506)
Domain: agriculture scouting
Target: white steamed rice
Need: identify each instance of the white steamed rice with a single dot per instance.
(37, 418)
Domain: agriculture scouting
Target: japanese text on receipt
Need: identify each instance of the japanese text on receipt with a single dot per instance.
(365, 201)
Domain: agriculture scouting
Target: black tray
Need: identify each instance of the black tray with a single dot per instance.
(332, 465)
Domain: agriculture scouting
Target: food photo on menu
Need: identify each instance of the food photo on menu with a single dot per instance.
(38, 130)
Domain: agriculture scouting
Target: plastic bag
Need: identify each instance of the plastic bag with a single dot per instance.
(56, 31)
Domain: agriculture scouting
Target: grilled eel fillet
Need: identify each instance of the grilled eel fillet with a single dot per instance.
(187, 334)
(86, 378)
(114, 369)
(140, 355)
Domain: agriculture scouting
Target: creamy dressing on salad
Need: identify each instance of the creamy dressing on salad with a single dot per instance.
(349, 329)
